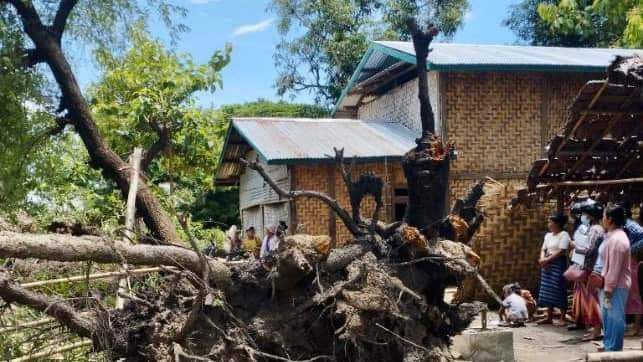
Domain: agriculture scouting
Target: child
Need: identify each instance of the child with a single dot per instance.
(514, 308)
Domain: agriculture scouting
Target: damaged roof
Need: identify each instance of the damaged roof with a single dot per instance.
(280, 141)
(382, 55)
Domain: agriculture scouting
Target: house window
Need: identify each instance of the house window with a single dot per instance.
(400, 200)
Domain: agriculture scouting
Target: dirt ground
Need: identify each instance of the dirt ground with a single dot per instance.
(535, 343)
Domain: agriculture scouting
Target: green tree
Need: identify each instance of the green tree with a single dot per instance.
(322, 42)
(46, 29)
(145, 98)
(583, 23)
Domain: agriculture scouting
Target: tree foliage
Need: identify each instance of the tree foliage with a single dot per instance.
(583, 23)
(322, 42)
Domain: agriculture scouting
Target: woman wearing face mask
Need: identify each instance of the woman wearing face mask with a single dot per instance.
(585, 307)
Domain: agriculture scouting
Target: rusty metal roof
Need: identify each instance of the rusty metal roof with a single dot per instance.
(305, 141)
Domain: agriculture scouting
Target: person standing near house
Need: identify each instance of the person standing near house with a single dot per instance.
(270, 242)
(251, 242)
(553, 262)
(616, 278)
(585, 306)
(634, 232)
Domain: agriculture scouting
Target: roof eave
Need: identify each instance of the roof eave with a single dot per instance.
(329, 159)
(409, 58)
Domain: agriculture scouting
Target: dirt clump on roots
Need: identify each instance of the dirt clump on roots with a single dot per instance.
(364, 301)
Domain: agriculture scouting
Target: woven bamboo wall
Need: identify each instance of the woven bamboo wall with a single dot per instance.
(313, 216)
(508, 242)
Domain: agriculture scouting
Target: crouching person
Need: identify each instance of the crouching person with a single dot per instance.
(514, 308)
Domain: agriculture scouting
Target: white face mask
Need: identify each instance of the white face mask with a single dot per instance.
(584, 219)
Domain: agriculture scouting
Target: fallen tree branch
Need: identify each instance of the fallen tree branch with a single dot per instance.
(68, 248)
(403, 339)
(346, 218)
(49, 352)
(10, 292)
(33, 324)
(79, 278)
(253, 351)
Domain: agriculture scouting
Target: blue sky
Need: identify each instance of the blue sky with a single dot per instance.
(250, 28)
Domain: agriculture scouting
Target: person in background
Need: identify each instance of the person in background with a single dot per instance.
(283, 227)
(634, 232)
(513, 307)
(232, 246)
(553, 262)
(232, 241)
(576, 273)
(585, 306)
(251, 242)
(616, 278)
(270, 242)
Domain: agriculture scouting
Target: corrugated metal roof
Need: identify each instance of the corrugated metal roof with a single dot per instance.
(310, 140)
(282, 140)
(446, 55)
(482, 57)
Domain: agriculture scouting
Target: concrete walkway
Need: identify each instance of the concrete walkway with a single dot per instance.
(535, 343)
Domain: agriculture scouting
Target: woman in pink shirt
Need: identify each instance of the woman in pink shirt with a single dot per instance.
(617, 279)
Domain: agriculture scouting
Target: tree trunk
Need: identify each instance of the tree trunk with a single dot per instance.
(48, 48)
(426, 167)
(60, 247)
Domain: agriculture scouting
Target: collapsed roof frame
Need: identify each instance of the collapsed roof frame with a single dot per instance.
(599, 150)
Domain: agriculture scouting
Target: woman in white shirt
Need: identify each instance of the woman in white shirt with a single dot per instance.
(553, 263)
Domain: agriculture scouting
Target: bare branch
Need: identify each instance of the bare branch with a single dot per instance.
(329, 201)
(10, 292)
(62, 15)
(157, 147)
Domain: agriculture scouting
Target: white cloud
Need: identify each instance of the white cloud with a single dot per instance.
(468, 15)
(252, 28)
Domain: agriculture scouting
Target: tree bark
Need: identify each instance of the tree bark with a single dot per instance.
(48, 48)
(60, 247)
(426, 167)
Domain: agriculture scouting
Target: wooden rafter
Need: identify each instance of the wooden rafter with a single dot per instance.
(578, 123)
(605, 132)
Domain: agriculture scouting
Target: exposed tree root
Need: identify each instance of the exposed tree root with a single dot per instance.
(373, 305)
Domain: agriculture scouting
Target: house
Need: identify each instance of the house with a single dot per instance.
(499, 103)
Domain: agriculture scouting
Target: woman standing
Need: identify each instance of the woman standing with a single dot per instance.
(553, 262)
(634, 233)
(585, 306)
(617, 278)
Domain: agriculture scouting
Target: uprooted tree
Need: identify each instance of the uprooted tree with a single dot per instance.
(380, 298)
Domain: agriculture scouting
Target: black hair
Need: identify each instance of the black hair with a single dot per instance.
(627, 206)
(616, 213)
(593, 210)
(559, 219)
(252, 228)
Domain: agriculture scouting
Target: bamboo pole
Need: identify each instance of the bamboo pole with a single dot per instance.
(49, 352)
(135, 164)
(103, 275)
(32, 324)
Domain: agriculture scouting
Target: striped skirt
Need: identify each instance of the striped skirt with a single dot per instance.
(553, 286)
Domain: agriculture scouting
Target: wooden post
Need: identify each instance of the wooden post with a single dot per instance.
(130, 213)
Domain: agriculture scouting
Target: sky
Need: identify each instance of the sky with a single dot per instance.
(250, 27)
